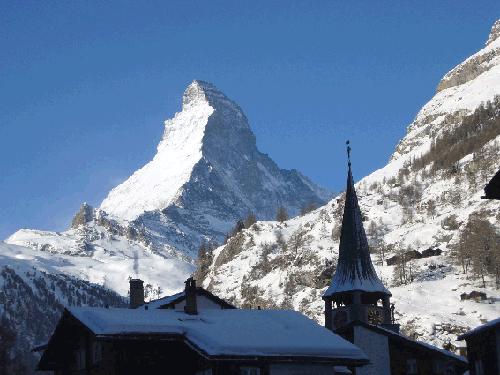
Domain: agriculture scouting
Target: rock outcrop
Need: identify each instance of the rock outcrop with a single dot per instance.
(474, 65)
(494, 34)
(83, 216)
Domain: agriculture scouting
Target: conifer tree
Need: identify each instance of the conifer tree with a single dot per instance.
(282, 214)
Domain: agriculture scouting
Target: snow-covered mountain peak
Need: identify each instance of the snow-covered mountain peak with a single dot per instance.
(494, 34)
(208, 166)
(201, 91)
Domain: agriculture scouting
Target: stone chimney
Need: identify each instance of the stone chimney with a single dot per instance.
(191, 307)
(136, 293)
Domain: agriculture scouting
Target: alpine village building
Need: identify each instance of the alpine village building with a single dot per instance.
(193, 332)
(358, 308)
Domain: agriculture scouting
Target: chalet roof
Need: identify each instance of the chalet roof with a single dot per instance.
(232, 332)
(355, 270)
(490, 325)
(400, 338)
(179, 297)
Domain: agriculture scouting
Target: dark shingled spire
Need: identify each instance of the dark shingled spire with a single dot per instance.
(355, 269)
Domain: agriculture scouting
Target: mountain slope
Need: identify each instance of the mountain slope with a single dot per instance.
(423, 199)
(33, 293)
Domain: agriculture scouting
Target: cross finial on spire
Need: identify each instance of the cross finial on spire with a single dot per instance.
(348, 153)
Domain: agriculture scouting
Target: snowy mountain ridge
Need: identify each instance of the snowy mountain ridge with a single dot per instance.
(192, 149)
(159, 183)
(206, 175)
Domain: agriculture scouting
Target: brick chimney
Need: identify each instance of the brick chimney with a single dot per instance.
(191, 307)
(136, 293)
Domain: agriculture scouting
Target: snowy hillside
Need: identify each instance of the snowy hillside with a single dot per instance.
(94, 254)
(427, 195)
(33, 292)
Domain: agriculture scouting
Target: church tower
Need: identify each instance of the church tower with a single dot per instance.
(356, 292)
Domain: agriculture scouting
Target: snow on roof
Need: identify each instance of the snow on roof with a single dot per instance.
(227, 332)
(484, 327)
(40, 347)
(342, 370)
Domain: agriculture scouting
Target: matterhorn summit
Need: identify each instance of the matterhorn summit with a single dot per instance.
(208, 174)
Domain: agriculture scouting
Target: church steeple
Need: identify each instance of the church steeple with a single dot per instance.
(355, 288)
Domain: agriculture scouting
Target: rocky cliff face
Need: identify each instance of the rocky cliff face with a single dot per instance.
(475, 65)
(461, 91)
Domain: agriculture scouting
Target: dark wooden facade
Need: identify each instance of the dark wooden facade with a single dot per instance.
(483, 349)
(75, 349)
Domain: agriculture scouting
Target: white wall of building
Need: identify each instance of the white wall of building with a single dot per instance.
(376, 347)
(202, 302)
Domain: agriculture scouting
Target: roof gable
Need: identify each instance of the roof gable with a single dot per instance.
(481, 329)
(170, 301)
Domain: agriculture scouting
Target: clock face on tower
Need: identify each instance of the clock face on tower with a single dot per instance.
(340, 319)
(375, 317)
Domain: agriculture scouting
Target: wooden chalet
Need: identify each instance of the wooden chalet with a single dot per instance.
(192, 340)
(483, 348)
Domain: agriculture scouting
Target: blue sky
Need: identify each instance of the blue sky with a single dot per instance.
(85, 86)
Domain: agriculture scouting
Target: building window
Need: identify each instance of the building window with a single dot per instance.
(96, 351)
(478, 364)
(80, 359)
(439, 366)
(249, 371)
(411, 366)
